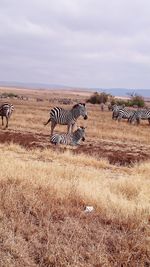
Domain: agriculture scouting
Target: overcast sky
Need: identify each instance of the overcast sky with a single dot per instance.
(85, 43)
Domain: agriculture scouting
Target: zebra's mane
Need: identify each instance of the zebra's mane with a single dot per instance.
(76, 105)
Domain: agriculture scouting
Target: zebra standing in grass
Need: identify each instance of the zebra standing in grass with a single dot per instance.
(115, 111)
(125, 114)
(6, 111)
(72, 139)
(140, 114)
(66, 117)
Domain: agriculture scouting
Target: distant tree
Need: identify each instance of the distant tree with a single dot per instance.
(113, 101)
(138, 101)
(134, 101)
(97, 98)
(94, 99)
(103, 97)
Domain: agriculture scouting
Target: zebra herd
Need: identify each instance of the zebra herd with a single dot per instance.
(58, 116)
(133, 116)
(69, 117)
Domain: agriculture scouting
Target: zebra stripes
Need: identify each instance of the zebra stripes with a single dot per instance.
(141, 114)
(115, 111)
(72, 139)
(66, 117)
(125, 114)
(131, 115)
(6, 111)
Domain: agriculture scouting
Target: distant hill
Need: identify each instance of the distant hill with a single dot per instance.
(113, 91)
(32, 85)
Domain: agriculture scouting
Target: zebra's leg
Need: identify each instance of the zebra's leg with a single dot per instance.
(119, 118)
(72, 128)
(132, 120)
(69, 128)
(129, 120)
(53, 125)
(6, 122)
(113, 117)
(138, 121)
(2, 121)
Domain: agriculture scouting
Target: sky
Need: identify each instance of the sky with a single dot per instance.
(82, 43)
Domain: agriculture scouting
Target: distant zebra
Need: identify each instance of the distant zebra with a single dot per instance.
(6, 111)
(109, 107)
(115, 111)
(72, 139)
(102, 106)
(66, 117)
(140, 114)
(125, 114)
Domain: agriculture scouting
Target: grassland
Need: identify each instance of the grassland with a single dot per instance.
(43, 191)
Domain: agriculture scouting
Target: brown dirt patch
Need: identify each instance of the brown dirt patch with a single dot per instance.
(116, 152)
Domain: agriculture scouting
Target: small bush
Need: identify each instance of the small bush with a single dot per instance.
(138, 101)
(9, 95)
(97, 98)
(134, 101)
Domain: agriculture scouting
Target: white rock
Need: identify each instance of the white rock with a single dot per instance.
(89, 209)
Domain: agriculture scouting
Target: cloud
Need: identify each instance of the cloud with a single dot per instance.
(88, 43)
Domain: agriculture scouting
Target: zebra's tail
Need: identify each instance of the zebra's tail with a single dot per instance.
(45, 123)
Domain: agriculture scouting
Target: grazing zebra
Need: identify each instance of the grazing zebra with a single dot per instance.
(72, 139)
(141, 114)
(125, 114)
(109, 107)
(115, 111)
(66, 117)
(6, 111)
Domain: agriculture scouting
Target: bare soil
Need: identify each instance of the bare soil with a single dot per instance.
(115, 151)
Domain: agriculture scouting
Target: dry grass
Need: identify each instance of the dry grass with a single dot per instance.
(43, 194)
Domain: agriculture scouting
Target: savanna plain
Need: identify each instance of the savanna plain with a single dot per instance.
(44, 189)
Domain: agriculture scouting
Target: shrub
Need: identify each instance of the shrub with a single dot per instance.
(138, 101)
(9, 95)
(134, 101)
(97, 98)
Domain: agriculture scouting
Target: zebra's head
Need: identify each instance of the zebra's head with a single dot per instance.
(81, 107)
(81, 133)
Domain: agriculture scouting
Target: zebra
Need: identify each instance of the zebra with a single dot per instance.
(140, 114)
(72, 139)
(109, 107)
(6, 111)
(66, 117)
(125, 114)
(102, 106)
(115, 111)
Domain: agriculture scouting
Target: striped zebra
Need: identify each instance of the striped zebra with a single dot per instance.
(125, 114)
(72, 139)
(6, 111)
(140, 114)
(66, 117)
(115, 111)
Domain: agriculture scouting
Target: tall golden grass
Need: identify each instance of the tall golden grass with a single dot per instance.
(43, 194)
